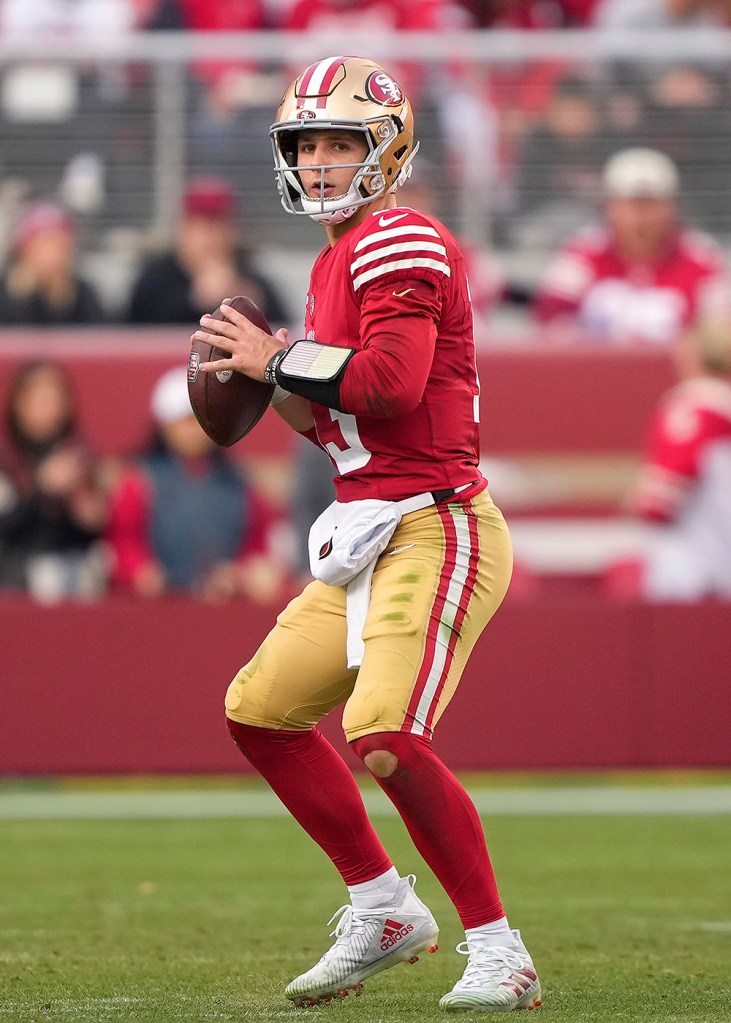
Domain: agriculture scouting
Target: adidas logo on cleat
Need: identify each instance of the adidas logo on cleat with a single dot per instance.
(393, 932)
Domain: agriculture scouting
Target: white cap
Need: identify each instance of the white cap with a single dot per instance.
(632, 173)
(169, 401)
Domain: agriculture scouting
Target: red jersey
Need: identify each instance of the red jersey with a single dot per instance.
(624, 302)
(691, 420)
(394, 288)
(685, 492)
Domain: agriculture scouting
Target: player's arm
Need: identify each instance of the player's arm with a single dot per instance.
(398, 331)
(295, 410)
(388, 376)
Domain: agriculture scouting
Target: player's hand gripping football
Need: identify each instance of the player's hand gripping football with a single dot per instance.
(251, 348)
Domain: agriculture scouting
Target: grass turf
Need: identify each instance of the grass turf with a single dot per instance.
(628, 918)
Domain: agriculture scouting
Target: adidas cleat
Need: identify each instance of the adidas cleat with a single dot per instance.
(496, 979)
(368, 942)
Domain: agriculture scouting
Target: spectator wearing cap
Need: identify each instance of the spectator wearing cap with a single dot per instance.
(184, 518)
(206, 264)
(641, 277)
(41, 286)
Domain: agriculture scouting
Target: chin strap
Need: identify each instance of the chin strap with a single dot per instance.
(333, 217)
(318, 209)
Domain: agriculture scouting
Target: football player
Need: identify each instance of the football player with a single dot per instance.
(386, 383)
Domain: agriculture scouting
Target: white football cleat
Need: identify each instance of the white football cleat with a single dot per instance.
(368, 941)
(497, 979)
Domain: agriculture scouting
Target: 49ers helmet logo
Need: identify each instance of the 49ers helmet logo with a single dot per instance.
(381, 88)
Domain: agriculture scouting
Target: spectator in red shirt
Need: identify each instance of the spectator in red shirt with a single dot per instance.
(162, 508)
(684, 490)
(642, 277)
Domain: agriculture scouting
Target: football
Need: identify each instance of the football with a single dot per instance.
(227, 404)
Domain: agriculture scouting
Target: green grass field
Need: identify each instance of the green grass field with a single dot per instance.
(628, 918)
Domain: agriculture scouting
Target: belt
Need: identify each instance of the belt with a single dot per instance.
(447, 495)
(419, 501)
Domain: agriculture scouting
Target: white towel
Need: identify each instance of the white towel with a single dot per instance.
(344, 544)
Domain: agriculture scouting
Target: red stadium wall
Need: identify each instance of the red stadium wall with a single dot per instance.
(128, 686)
(135, 686)
(533, 398)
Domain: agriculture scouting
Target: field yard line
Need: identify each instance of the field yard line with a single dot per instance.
(191, 804)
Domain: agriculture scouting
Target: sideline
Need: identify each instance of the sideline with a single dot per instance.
(198, 804)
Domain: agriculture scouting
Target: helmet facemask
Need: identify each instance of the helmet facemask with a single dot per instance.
(369, 181)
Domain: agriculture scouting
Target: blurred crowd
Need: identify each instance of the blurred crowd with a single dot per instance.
(608, 182)
(179, 517)
(518, 149)
(635, 273)
(182, 516)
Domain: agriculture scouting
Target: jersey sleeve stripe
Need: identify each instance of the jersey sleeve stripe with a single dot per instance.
(400, 264)
(394, 232)
(390, 250)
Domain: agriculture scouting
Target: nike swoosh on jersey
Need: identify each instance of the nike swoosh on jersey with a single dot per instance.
(400, 549)
(392, 220)
(400, 294)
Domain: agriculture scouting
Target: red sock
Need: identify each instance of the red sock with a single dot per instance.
(318, 789)
(442, 821)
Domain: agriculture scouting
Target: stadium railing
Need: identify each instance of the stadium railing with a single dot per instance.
(138, 102)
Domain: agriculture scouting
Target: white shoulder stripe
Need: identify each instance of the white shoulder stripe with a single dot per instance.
(389, 250)
(400, 264)
(394, 232)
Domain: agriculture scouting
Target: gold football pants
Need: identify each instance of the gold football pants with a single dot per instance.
(435, 587)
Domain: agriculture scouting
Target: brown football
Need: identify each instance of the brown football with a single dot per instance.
(227, 404)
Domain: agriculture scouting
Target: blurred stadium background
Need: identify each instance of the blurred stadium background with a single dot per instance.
(592, 726)
(111, 112)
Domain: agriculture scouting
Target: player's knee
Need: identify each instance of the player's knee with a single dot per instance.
(383, 753)
(381, 762)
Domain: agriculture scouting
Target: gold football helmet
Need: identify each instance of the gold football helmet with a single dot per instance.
(349, 93)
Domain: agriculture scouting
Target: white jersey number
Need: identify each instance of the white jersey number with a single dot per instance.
(351, 454)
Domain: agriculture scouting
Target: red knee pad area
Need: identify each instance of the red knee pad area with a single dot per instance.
(403, 745)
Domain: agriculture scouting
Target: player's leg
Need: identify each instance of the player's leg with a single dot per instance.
(429, 605)
(296, 677)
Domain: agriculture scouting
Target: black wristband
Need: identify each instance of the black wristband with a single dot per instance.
(271, 367)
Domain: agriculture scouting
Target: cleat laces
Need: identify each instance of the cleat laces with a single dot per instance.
(350, 922)
(487, 963)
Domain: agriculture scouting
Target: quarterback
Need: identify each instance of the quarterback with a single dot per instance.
(410, 562)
